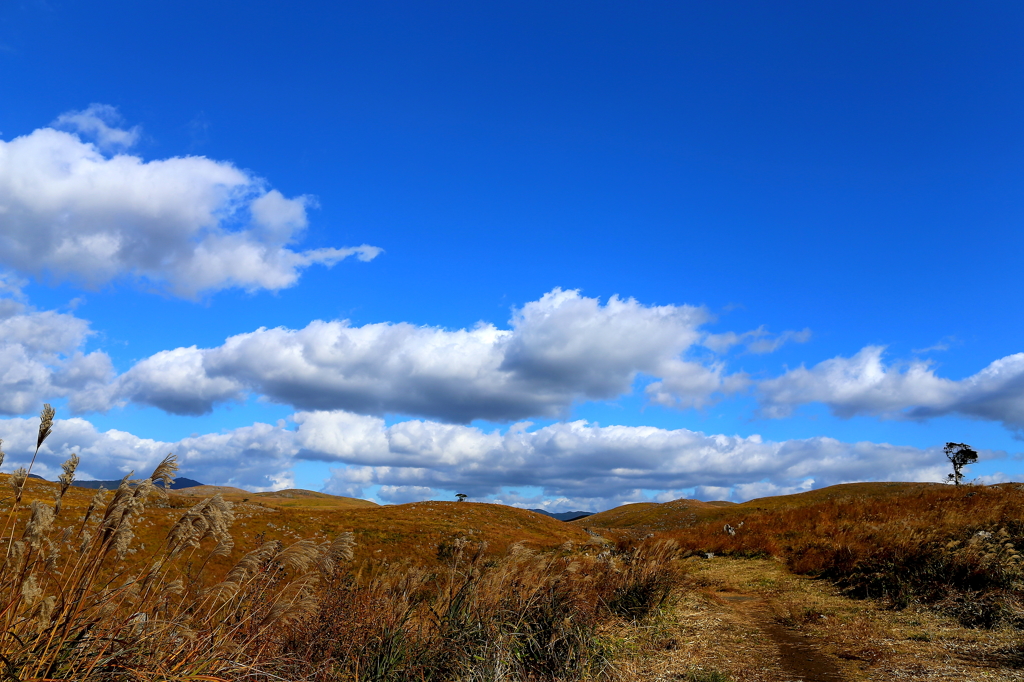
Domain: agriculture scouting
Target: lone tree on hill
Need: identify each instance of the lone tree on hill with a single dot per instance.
(960, 454)
(462, 496)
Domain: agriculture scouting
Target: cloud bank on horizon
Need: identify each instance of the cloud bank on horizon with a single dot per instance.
(93, 215)
(575, 464)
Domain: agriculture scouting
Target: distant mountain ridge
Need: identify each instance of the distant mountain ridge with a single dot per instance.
(179, 483)
(563, 516)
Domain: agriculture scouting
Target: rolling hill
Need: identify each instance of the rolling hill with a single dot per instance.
(651, 517)
(392, 533)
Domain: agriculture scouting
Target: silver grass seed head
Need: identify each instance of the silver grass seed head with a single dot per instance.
(252, 561)
(224, 547)
(123, 490)
(30, 591)
(52, 556)
(165, 471)
(38, 525)
(219, 516)
(123, 537)
(189, 528)
(114, 512)
(173, 587)
(223, 591)
(43, 612)
(295, 601)
(68, 475)
(15, 556)
(45, 423)
(142, 491)
(299, 556)
(211, 518)
(340, 550)
(152, 574)
(95, 502)
(2, 453)
(17, 481)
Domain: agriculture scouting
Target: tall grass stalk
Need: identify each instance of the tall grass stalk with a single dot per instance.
(79, 600)
(523, 616)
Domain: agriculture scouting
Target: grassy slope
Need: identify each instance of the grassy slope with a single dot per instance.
(653, 517)
(392, 533)
(291, 498)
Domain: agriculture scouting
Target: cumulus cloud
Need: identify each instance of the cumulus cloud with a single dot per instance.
(560, 349)
(184, 225)
(866, 385)
(573, 465)
(257, 457)
(580, 464)
(692, 384)
(41, 358)
(174, 381)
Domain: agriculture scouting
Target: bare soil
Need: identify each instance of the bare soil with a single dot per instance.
(799, 655)
(753, 621)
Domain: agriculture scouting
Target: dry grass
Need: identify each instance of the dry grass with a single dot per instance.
(82, 599)
(952, 547)
(719, 633)
(139, 584)
(523, 616)
(649, 517)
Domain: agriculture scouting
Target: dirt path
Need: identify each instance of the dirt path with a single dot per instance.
(753, 621)
(799, 656)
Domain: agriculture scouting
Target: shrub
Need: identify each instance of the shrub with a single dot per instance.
(955, 548)
(526, 616)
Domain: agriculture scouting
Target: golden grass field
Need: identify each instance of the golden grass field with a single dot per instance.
(863, 581)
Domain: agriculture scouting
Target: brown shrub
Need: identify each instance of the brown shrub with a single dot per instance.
(939, 545)
(527, 616)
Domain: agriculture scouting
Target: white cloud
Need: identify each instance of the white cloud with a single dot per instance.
(758, 341)
(41, 359)
(185, 225)
(174, 381)
(560, 349)
(991, 479)
(943, 344)
(585, 464)
(692, 384)
(865, 384)
(575, 465)
(767, 344)
(256, 457)
(99, 121)
(400, 494)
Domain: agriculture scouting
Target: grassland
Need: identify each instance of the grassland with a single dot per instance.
(142, 584)
(866, 581)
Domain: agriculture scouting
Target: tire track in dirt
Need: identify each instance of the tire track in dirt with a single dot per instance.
(800, 659)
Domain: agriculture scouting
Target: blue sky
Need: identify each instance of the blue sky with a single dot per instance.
(550, 254)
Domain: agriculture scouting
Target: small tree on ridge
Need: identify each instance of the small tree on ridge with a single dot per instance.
(960, 455)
